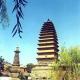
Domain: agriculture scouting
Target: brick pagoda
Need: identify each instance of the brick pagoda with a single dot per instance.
(48, 45)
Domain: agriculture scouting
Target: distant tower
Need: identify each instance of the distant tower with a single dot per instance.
(16, 57)
(48, 45)
(16, 64)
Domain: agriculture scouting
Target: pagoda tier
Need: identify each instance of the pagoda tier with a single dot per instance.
(47, 53)
(49, 36)
(47, 40)
(42, 34)
(45, 44)
(47, 48)
(16, 57)
(48, 44)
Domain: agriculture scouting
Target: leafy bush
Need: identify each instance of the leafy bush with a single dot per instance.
(68, 66)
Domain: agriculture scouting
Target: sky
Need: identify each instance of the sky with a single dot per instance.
(65, 14)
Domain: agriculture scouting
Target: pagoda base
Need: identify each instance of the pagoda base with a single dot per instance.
(14, 75)
(46, 72)
(14, 71)
(41, 72)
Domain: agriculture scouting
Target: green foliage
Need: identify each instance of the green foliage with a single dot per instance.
(68, 65)
(21, 76)
(1, 65)
(75, 54)
(3, 13)
(65, 57)
(29, 67)
(1, 59)
(18, 7)
(19, 14)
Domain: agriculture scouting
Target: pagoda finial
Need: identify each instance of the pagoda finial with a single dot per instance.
(48, 20)
(17, 48)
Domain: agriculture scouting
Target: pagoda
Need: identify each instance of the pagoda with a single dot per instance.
(15, 70)
(48, 45)
(47, 52)
(16, 57)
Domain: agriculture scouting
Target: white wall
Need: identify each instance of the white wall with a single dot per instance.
(5, 78)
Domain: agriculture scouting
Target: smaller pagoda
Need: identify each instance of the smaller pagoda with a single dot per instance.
(15, 70)
(16, 61)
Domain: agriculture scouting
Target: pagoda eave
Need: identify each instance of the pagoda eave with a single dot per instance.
(48, 48)
(42, 37)
(45, 44)
(45, 40)
(47, 31)
(51, 58)
(50, 53)
(42, 34)
(15, 64)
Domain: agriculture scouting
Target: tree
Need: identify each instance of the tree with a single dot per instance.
(21, 76)
(73, 60)
(3, 13)
(68, 65)
(29, 67)
(1, 65)
(18, 4)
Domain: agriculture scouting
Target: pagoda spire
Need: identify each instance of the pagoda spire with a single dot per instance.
(48, 44)
(48, 20)
(16, 57)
